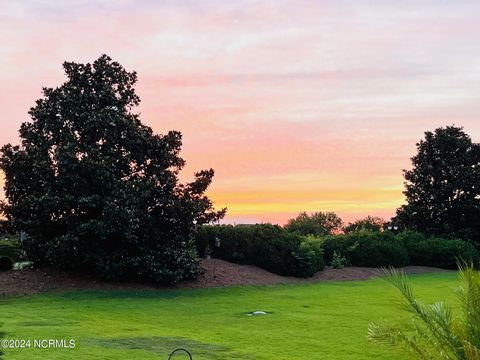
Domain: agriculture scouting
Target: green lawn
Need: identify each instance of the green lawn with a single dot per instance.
(318, 321)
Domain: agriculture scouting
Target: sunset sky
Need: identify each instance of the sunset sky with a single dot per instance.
(297, 105)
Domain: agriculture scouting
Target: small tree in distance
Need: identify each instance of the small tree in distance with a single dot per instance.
(317, 224)
(98, 191)
(370, 223)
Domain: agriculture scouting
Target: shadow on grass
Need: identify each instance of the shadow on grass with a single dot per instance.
(165, 345)
(49, 322)
(162, 293)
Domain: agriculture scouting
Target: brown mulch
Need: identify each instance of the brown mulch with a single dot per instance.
(216, 273)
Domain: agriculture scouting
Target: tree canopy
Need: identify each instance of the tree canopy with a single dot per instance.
(317, 224)
(370, 223)
(97, 190)
(443, 187)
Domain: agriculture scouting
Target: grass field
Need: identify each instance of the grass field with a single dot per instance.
(318, 321)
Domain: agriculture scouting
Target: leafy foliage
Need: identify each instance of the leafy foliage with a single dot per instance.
(442, 192)
(438, 334)
(378, 249)
(4, 228)
(374, 249)
(443, 253)
(366, 248)
(410, 237)
(95, 189)
(309, 257)
(11, 248)
(266, 246)
(338, 261)
(316, 224)
(439, 252)
(370, 223)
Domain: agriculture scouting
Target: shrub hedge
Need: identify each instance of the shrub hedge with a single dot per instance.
(365, 248)
(442, 253)
(374, 249)
(266, 246)
(275, 249)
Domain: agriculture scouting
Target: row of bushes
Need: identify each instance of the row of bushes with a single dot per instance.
(376, 249)
(273, 248)
(267, 246)
(439, 252)
(281, 252)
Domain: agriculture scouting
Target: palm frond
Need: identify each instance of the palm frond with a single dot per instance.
(469, 296)
(471, 352)
(437, 333)
(385, 333)
(436, 318)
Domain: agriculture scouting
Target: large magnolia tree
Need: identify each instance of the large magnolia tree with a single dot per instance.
(443, 187)
(95, 189)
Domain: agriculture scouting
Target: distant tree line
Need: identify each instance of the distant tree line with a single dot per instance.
(329, 223)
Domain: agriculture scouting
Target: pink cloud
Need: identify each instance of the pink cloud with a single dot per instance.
(288, 101)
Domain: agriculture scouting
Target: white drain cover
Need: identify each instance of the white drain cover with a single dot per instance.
(258, 313)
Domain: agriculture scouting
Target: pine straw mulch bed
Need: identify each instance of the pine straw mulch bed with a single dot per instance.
(216, 273)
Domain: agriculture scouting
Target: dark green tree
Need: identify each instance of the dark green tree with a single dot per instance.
(443, 187)
(317, 224)
(3, 226)
(98, 191)
(370, 223)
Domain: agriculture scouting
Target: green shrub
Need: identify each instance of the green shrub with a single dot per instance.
(266, 246)
(366, 248)
(6, 263)
(10, 247)
(442, 253)
(334, 244)
(410, 237)
(380, 252)
(339, 261)
(309, 258)
(438, 252)
(375, 249)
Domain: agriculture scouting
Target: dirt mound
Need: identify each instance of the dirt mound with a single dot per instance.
(215, 273)
(227, 273)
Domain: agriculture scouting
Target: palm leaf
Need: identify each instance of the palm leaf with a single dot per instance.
(437, 333)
